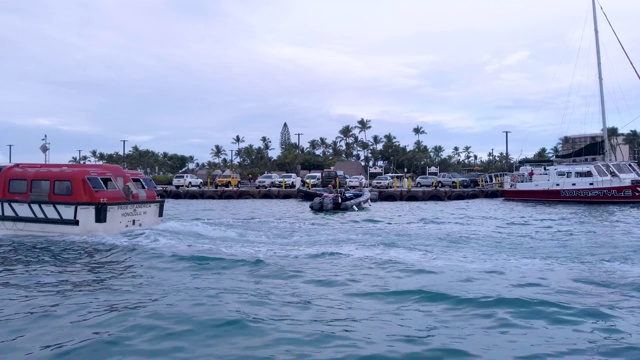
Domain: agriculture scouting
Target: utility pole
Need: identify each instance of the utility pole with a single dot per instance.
(298, 155)
(79, 155)
(10, 146)
(124, 163)
(506, 134)
(298, 134)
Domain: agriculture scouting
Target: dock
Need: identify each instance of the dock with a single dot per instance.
(245, 193)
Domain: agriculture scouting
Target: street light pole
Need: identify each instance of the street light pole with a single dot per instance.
(506, 134)
(79, 155)
(10, 146)
(232, 160)
(124, 163)
(45, 148)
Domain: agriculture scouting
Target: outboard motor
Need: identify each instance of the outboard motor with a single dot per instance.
(316, 204)
(327, 203)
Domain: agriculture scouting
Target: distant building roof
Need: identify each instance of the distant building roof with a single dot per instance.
(350, 167)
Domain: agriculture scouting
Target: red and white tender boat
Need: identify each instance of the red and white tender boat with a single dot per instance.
(601, 182)
(75, 199)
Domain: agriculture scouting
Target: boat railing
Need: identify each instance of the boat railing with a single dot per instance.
(502, 180)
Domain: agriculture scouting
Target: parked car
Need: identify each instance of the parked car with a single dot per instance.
(382, 181)
(314, 178)
(228, 180)
(342, 178)
(187, 180)
(267, 180)
(356, 181)
(290, 181)
(473, 179)
(452, 179)
(330, 176)
(399, 180)
(425, 181)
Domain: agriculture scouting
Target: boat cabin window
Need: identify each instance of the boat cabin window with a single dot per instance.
(109, 183)
(95, 183)
(601, 172)
(149, 184)
(560, 173)
(584, 174)
(634, 168)
(621, 169)
(102, 183)
(138, 183)
(40, 186)
(569, 175)
(610, 170)
(62, 187)
(17, 186)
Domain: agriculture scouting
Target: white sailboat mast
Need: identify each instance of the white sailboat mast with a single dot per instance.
(604, 116)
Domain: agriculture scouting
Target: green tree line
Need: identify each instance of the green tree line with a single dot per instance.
(353, 142)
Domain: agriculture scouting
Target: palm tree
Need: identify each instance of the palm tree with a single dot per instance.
(94, 155)
(336, 150)
(324, 146)
(237, 140)
(614, 144)
(455, 153)
(419, 130)
(437, 152)
(466, 150)
(541, 154)
(390, 139)
(217, 152)
(567, 144)
(314, 145)
(346, 133)
(79, 160)
(345, 137)
(375, 141)
(266, 144)
(362, 127)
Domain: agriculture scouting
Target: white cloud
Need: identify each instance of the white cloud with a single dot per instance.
(509, 60)
(182, 77)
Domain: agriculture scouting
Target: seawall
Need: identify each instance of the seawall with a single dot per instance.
(428, 194)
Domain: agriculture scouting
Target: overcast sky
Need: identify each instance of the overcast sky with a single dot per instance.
(181, 76)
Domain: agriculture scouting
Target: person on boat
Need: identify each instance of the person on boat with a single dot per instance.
(531, 175)
(330, 189)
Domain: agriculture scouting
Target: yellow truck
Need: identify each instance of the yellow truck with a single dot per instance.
(228, 180)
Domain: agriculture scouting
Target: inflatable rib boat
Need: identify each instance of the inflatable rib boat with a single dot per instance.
(342, 201)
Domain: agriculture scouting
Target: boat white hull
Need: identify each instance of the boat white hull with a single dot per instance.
(27, 218)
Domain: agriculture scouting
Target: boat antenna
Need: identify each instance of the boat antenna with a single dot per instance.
(605, 134)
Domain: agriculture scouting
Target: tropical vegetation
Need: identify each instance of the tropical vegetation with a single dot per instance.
(353, 142)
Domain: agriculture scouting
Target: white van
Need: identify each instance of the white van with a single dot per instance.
(187, 180)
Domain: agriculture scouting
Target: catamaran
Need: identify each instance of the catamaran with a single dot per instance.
(594, 182)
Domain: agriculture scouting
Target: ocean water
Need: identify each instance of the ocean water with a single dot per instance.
(270, 279)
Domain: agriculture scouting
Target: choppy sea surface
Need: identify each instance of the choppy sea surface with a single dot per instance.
(270, 279)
